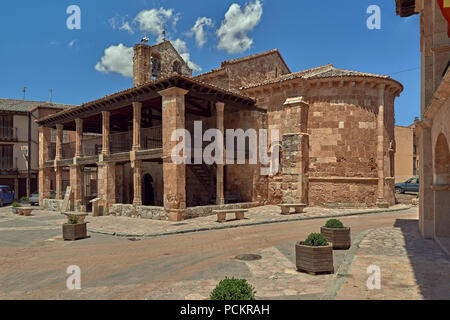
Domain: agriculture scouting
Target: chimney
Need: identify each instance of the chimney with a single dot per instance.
(142, 65)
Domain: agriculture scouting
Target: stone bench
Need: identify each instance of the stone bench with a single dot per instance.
(298, 207)
(81, 215)
(222, 214)
(25, 211)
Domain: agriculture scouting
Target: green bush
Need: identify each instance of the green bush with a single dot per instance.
(72, 219)
(334, 223)
(316, 240)
(24, 198)
(16, 205)
(233, 289)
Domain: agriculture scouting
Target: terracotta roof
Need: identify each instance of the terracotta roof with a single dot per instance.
(333, 72)
(326, 71)
(14, 105)
(155, 85)
(405, 8)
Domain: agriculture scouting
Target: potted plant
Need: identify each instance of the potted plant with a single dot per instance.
(73, 229)
(335, 232)
(233, 289)
(314, 255)
(14, 207)
(23, 199)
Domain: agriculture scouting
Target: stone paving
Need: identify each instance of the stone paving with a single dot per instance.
(127, 226)
(411, 267)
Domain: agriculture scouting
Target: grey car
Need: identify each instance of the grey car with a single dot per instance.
(34, 198)
(412, 185)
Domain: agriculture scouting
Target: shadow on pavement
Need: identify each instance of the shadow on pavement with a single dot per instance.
(430, 264)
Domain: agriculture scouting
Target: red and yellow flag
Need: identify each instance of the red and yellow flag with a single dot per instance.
(445, 9)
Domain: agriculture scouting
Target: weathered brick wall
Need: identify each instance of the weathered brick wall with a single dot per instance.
(164, 53)
(233, 76)
(343, 143)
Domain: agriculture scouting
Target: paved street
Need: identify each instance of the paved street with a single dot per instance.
(188, 266)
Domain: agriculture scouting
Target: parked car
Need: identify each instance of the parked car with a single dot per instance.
(412, 185)
(34, 198)
(6, 195)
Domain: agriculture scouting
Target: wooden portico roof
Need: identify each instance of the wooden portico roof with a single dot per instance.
(148, 91)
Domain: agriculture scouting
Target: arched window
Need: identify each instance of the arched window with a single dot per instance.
(177, 67)
(156, 66)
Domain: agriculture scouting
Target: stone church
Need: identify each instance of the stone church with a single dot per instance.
(336, 132)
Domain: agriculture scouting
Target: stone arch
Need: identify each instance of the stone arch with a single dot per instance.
(441, 161)
(176, 67)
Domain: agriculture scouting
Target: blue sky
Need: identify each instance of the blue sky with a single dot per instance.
(38, 51)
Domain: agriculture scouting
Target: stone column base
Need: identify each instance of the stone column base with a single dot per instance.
(382, 203)
(175, 215)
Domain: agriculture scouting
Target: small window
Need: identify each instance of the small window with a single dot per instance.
(177, 67)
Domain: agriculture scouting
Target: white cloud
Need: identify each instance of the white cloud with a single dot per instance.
(71, 43)
(117, 59)
(120, 23)
(199, 29)
(126, 27)
(181, 47)
(154, 20)
(237, 23)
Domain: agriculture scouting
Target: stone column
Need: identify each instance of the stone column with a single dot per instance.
(295, 152)
(174, 175)
(59, 141)
(16, 189)
(426, 199)
(105, 132)
(137, 182)
(107, 183)
(79, 138)
(220, 198)
(137, 115)
(76, 184)
(441, 196)
(381, 201)
(44, 173)
(58, 187)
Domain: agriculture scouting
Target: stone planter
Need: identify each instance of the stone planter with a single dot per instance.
(25, 211)
(314, 260)
(339, 237)
(14, 210)
(74, 231)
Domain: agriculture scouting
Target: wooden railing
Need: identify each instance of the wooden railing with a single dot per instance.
(151, 138)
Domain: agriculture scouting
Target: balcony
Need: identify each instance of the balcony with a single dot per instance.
(8, 134)
(151, 138)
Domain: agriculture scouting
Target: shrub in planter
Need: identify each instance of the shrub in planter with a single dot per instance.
(336, 233)
(23, 199)
(14, 207)
(73, 229)
(314, 255)
(233, 289)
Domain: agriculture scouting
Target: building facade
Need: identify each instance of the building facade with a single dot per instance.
(406, 157)
(335, 135)
(14, 121)
(433, 129)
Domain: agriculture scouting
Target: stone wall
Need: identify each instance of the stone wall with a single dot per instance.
(247, 71)
(52, 205)
(144, 212)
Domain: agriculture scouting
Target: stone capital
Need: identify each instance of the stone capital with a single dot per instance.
(173, 92)
(297, 101)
